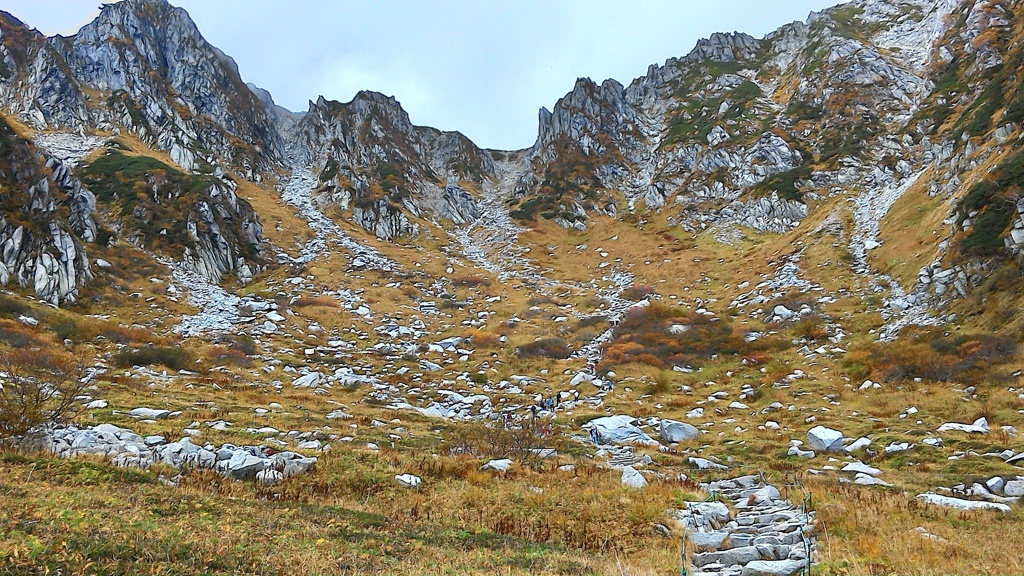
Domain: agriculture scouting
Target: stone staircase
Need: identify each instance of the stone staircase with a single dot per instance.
(763, 534)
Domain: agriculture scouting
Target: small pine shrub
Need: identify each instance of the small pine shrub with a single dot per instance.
(172, 357)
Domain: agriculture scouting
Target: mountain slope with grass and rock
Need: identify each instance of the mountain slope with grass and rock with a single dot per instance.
(755, 311)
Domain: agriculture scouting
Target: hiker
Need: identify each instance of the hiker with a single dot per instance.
(533, 410)
(595, 437)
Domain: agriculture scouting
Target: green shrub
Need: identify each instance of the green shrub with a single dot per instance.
(985, 238)
(784, 183)
(11, 307)
(172, 357)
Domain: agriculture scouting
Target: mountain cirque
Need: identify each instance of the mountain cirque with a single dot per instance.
(764, 300)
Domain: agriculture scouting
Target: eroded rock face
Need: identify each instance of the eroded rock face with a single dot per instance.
(198, 220)
(373, 161)
(47, 217)
(714, 134)
(226, 235)
(141, 65)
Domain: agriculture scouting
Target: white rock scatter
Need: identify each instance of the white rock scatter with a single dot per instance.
(68, 146)
(959, 503)
(297, 191)
(126, 449)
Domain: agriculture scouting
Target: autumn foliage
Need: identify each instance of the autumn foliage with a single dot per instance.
(663, 336)
(38, 388)
(932, 355)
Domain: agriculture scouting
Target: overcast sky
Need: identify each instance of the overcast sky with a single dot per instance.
(483, 67)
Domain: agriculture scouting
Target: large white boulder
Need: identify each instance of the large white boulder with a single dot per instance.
(980, 426)
(861, 468)
(149, 413)
(580, 378)
(773, 567)
(674, 431)
(244, 466)
(960, 504)
(409, 480)
(632, 478)
(501, 465)
(822, 439)
(311, 380)
(619, 429)
(782, 312)
(1014, 488)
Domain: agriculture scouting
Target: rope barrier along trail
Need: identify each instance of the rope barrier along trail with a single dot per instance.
(762, 533)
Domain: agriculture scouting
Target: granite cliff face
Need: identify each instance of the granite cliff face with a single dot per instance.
(870, 99)
(47, 218)
(373, 162)
(197, 219)
(738, 119)
(141, 66)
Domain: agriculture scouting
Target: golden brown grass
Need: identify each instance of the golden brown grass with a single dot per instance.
(910, 232)
(868, 531)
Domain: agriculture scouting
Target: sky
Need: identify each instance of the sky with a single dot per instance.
(482, 67)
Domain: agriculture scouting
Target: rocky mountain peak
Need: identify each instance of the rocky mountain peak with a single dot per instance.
(725, 47)
(584, 113)
(141, 65)
(373, 161)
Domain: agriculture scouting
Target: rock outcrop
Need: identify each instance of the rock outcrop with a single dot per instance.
(141, 65)
(47, 217)
(375, 163)
(199, 220)
(738, 117)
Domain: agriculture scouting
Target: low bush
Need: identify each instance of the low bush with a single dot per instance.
(171, 357)
(811, 327)
(647, 335)
(86, 329)
(933, 355)
(592, 321)
(482, 338)
(323, 301)
(39, 389)
(244, 344)
(221, 355)
(637, 292)
(11, 307)
(502, 439)
(472, 281)
(545, 347)
(17, 335)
